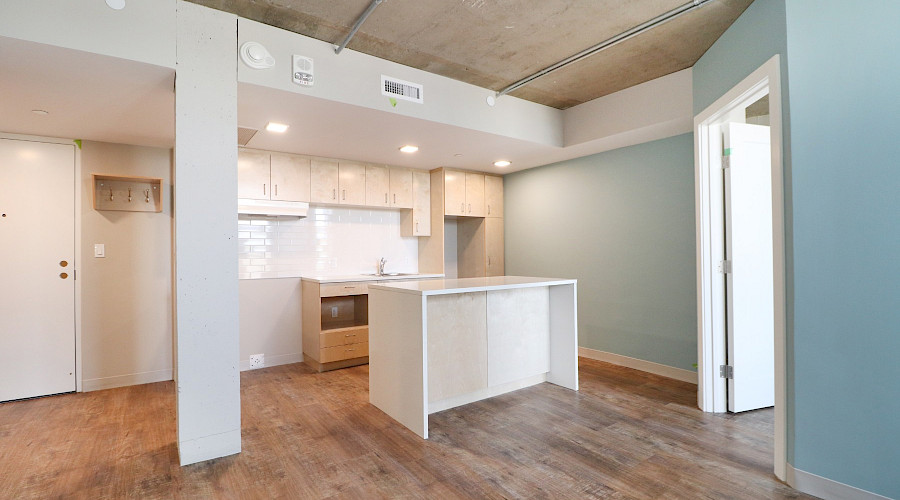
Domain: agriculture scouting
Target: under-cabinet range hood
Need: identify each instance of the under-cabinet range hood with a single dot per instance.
(267, 207)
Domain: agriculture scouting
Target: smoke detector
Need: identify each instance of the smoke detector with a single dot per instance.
(256, 56)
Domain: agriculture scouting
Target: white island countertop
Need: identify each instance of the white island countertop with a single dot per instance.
(371, 277)
(466, 285)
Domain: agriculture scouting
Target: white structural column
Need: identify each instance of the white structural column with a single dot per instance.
(206, 281)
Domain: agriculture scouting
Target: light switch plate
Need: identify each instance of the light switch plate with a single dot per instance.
(99, 250)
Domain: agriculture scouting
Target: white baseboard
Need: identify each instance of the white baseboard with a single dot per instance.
(278, 359)
(828, 489)
(639, 364)
(97, 384)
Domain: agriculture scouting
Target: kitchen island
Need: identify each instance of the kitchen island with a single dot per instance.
(442, 343)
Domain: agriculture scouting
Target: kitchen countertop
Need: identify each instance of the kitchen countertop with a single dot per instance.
(466, 285)
(369, 277)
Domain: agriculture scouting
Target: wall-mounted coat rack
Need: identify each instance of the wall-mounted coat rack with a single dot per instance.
(130, 194)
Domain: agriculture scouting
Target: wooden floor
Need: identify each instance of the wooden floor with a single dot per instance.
(626, 434)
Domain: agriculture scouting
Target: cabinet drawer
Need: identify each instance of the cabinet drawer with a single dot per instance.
(341, 352)
(342, 289)
(344, 336)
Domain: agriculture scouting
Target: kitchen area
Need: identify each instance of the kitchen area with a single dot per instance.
(317, 237)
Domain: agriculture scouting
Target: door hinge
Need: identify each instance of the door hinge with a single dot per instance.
(726, 162)
(726, 371)
(724, 267)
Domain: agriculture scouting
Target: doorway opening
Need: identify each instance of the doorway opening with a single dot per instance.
(741, 104)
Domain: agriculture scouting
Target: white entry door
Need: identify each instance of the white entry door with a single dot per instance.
(37, 261)
(750, 282)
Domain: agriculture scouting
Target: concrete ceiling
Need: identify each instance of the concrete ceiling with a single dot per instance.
(493, 43)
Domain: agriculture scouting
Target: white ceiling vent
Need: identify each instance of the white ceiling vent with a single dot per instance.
(245, 134)
(399, 89)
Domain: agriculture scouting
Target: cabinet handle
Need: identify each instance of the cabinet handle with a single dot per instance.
(462, 207)
(489, 208)
(417, 226)
(395, 198)
(343, 194)
(470, 208)
(334, 194)
(276, 189)
(385, 198)
(264, 189)
(489, 261)
(350, 335)
(349, 350)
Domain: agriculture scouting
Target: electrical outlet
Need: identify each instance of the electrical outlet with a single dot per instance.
(257, 361)
(334, 312)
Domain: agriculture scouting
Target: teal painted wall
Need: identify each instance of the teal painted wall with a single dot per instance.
(845, 121)
(622, 223)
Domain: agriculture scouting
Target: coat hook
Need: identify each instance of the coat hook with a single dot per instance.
(110, 194)
(129, 195)
(147, 195)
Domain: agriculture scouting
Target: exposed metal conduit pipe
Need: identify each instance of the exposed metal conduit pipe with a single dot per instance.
(621, 37)
(359, 22)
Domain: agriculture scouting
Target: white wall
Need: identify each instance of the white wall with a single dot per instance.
(271, 321)
(143, 31)
(127, 295)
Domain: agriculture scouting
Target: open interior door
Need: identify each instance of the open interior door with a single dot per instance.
(749, 267)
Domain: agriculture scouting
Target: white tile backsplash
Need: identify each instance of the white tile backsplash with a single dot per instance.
(328, 242)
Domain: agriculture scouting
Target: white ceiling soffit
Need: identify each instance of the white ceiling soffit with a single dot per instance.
(87, 96)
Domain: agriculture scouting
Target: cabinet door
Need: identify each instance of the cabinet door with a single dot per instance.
(474, 194)
(421, 185)
(493, 196)
(454, 192)
(493, 246)
(377, 186)
(290, 177)
(323, 180)
(253, 175)
(351, 183)
(401, 188)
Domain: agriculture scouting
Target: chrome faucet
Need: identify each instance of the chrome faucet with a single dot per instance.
(381, 264)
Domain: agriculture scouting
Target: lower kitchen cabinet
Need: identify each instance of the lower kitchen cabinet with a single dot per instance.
(335, 324)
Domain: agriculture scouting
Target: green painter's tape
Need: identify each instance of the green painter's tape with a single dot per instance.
(393, 102)
(77, 143)
(727, 152)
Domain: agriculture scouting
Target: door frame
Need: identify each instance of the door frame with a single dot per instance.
(76, 209)
(710, 220)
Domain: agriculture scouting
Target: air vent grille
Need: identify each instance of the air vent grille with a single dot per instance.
(245, 134)
(400, 89)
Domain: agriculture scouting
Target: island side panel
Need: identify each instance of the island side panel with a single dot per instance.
(457, 344)
(397, 376)
(518, 334)
(564, 336)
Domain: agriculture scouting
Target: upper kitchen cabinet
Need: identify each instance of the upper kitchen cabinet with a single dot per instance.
(493, 195)
(474, 194)
(377, 186)
(253, 175)
(463, 193)
(417, 222)
(402, 188)
(323, 181)
(272, 176)
(289, 177)
(351, 183)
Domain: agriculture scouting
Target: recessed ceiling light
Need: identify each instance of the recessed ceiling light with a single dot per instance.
(40, 112)
(502, 163)
(409, 148)
(276, 127)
